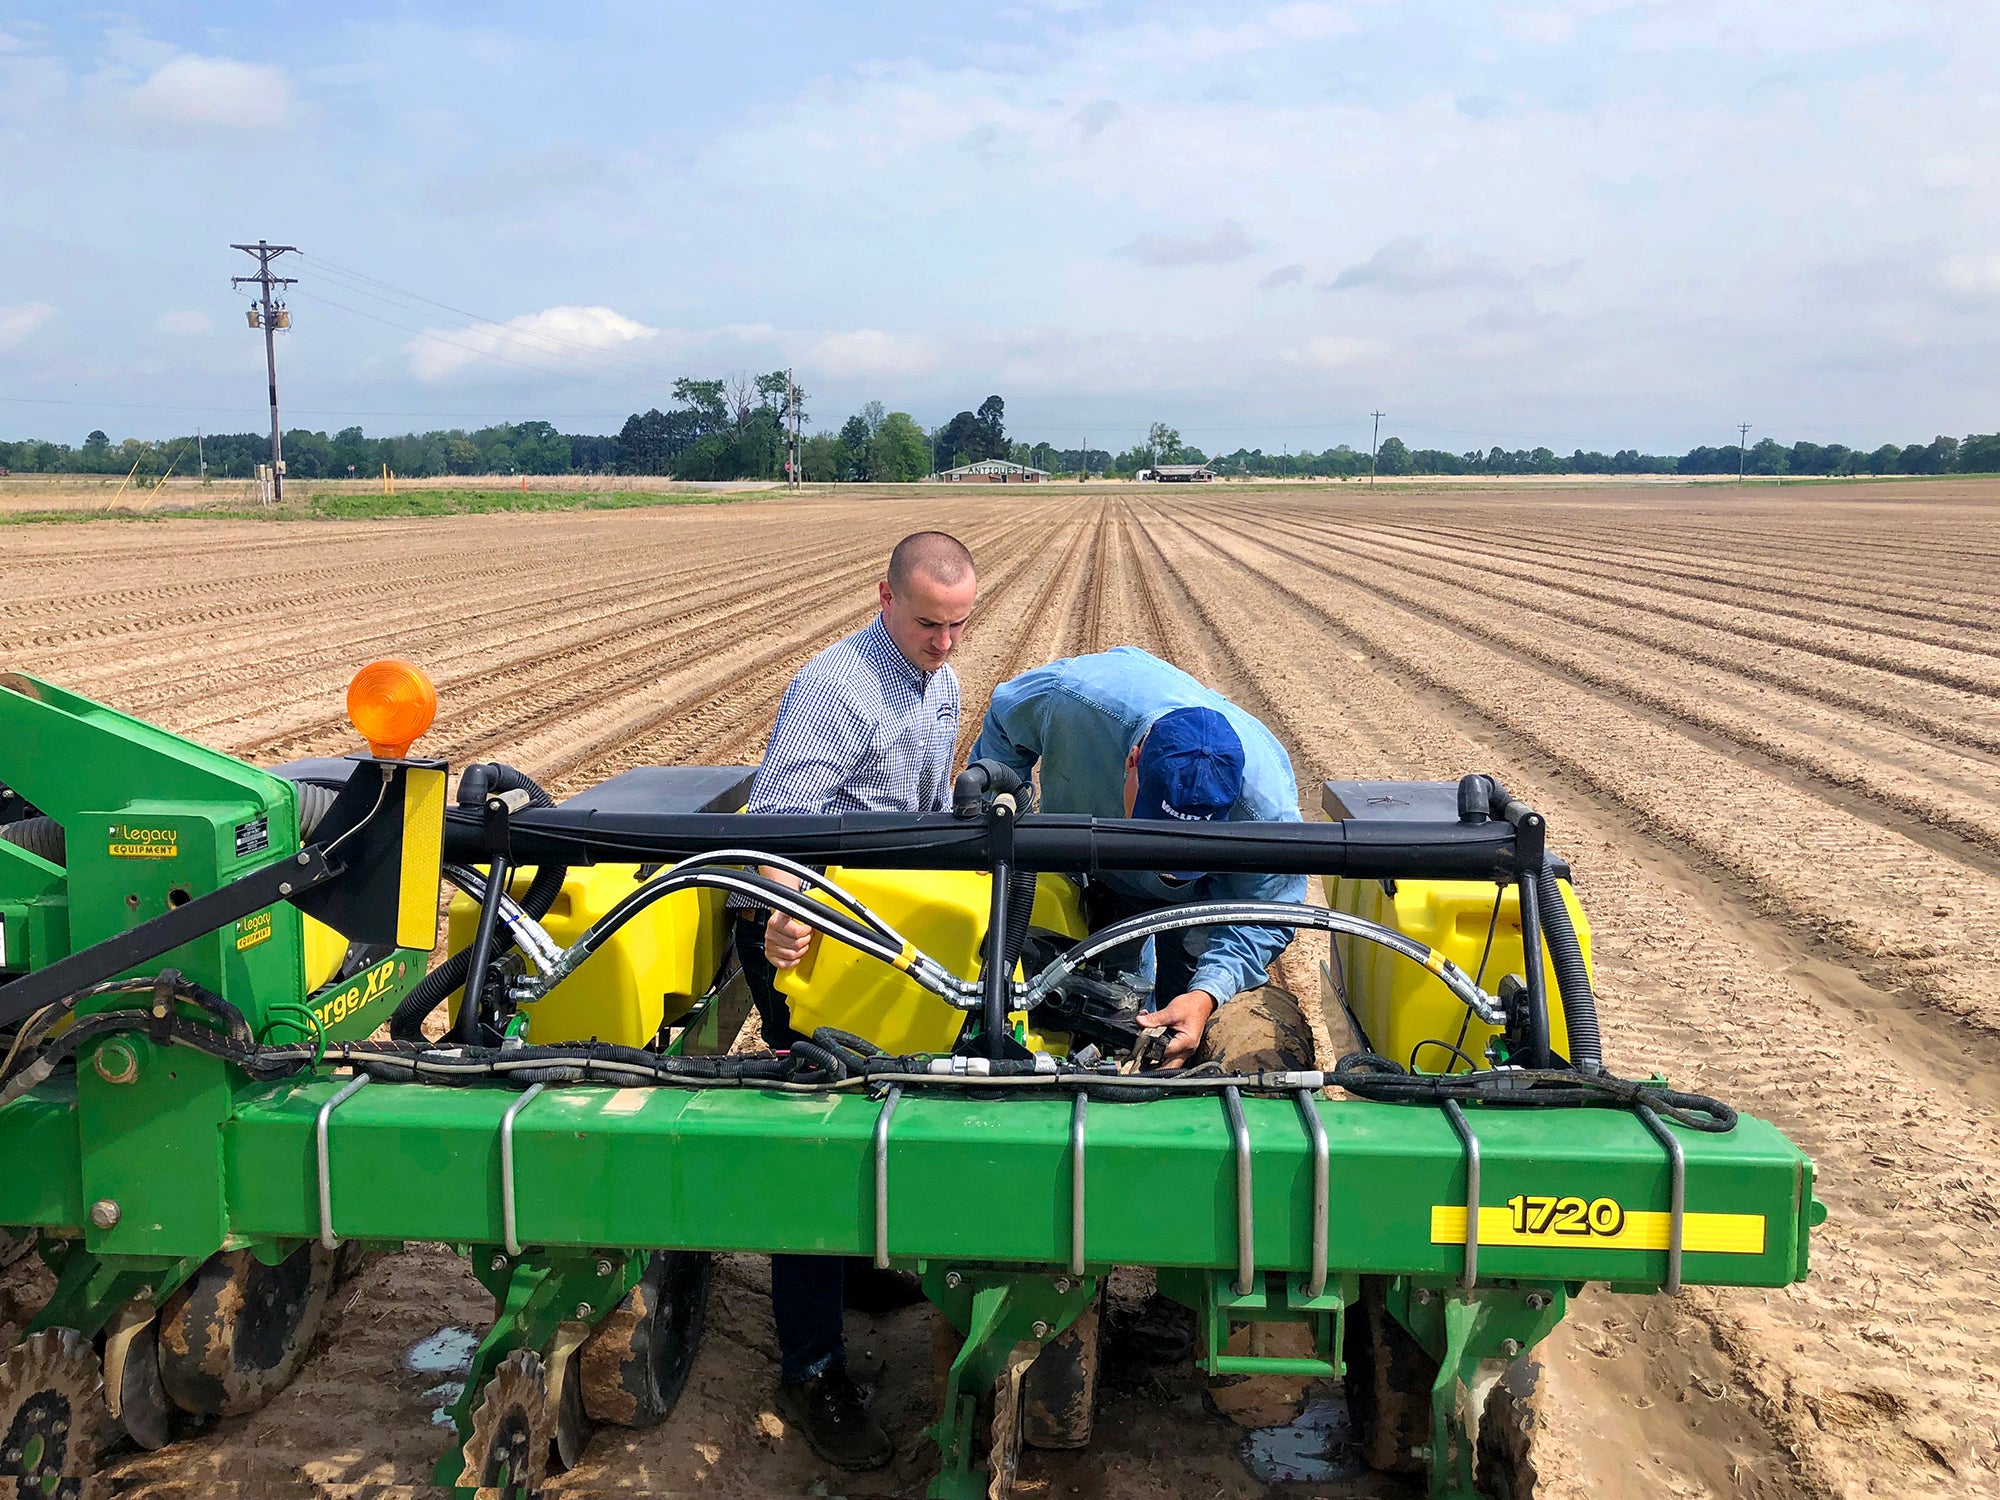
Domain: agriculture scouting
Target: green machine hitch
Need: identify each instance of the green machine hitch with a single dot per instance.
(198, 1129)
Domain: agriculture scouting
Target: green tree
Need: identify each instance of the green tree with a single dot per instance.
(855, 436)
(1163, 445)
(992, 419)
(1393, 457)
(898, 452)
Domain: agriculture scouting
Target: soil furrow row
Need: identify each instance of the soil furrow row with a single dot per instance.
(1929, 921)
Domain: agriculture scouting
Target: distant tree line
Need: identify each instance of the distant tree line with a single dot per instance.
(736, 427)
(510, 448)
(1977, 454)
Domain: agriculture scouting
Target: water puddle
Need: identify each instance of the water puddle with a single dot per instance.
(447, 1352)
(1315, 1449)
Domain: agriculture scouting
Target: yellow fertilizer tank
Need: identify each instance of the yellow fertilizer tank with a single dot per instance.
(654, 968)
(944, 913)
(651, 970)
(1401, 1009)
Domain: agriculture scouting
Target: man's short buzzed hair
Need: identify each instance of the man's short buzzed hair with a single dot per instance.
(940, 558)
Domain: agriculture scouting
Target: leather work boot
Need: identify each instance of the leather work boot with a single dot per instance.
(828, 1412)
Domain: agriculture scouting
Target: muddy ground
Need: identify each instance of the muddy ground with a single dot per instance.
(1765, 728)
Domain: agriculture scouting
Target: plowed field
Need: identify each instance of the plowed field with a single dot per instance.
(1765, 728)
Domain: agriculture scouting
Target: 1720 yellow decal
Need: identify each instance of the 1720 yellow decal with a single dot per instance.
(1598, 1224)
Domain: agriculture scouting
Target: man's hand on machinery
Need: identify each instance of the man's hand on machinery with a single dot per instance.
(786, 940)
(1185, 1017)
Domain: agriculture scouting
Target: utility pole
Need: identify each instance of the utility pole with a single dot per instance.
(1374, 446)
(274, 317)
(200, 457)
(1742, 436)
(792, 429)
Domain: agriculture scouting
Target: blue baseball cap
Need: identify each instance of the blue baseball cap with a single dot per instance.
(1190, 770)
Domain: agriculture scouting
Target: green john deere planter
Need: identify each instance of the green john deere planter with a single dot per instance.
(196, 1131)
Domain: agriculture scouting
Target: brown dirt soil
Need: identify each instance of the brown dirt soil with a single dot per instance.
(1764, 727)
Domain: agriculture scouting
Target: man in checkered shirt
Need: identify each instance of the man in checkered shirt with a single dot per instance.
(868, 725)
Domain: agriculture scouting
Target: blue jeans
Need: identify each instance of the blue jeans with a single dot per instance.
(806, 1304)
(807, 1291)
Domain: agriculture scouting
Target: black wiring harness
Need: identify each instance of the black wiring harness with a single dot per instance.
(831, 1061)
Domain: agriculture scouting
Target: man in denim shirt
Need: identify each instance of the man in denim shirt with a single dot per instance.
(1124, 734)
(868, 725)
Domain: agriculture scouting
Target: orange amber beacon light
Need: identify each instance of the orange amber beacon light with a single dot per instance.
(391, 703)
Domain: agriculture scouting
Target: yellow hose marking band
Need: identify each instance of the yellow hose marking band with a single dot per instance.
(1435, 962)
(907, 956)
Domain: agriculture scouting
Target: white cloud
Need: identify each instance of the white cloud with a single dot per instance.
(22, 319)
(185, 322)
(1290, 275)
(1974, 275)
(557, 338)
(219, 91)
(869, 351)
(1331, 352)
(1408, 264)
(1212, 247)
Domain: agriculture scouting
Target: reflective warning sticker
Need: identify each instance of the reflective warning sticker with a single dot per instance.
(1597, 1223)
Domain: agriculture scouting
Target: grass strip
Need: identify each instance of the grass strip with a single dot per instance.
(335, 506)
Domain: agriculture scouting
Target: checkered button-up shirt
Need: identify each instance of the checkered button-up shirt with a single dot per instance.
(861, 730)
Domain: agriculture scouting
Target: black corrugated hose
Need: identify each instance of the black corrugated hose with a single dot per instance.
(475, 785)
(1586, 1046)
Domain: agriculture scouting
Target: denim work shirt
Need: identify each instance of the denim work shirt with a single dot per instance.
(1080, 718)
(861, 730)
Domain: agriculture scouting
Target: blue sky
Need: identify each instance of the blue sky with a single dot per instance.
(1583, 222)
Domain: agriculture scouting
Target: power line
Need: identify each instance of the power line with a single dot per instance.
(535, 340)
(425, 333)
(274, 318)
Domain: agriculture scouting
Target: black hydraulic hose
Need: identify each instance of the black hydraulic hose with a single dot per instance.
(1537, 986)
(475, 785)
(1586, 1046)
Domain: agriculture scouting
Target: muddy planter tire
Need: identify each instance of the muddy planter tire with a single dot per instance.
(234, 1336)
(1059, 1392)
(1504, 1462)
(636, 1364)
(1389, 1379)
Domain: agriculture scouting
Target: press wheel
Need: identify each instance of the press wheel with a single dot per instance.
(1504, 1453)
(1059, 1393)
(634, 1367)
(233, 1337)
(1389, 1379)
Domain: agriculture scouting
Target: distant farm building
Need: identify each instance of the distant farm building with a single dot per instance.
(994, 471)
(1183, 473)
